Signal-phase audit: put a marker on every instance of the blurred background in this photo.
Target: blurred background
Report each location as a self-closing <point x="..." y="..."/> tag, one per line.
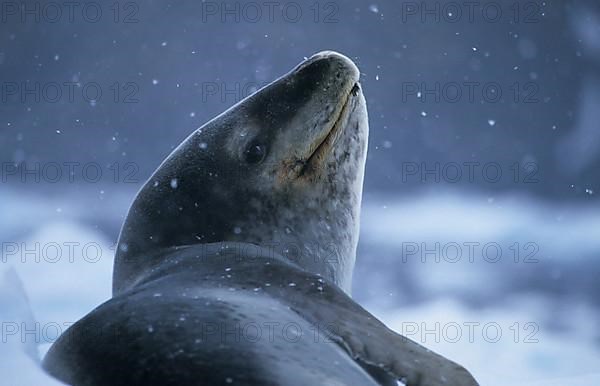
<point x="480" y="230"/>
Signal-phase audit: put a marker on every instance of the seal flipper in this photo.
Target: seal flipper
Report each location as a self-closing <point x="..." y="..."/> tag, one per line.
<point x="367" y="340"/>
<point x="372" y="344"/>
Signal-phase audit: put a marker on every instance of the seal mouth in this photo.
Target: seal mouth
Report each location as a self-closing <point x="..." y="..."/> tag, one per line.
<point x="330" y="136"/>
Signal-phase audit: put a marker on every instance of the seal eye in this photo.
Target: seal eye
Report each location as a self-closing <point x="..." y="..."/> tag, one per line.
<point x="255" y="153"/>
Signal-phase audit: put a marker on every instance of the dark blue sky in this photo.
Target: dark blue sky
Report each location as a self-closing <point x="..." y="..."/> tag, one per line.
<point x="494" y="97"/>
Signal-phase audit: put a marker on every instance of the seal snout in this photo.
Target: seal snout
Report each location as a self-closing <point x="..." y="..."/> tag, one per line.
<point x="344" y="67"/>
<point x="330" y="83"/>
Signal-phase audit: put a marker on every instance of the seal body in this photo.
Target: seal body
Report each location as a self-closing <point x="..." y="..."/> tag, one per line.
<point x="235" y="261"/>
<point x="214" y="315"/>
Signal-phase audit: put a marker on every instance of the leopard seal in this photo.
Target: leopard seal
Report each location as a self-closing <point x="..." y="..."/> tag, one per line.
<point x="234" y="263"/>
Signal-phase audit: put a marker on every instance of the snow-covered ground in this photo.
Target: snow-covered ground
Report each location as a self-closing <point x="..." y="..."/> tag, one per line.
<point x="507" y="320"/>
<point x="506" y="286"/>
<point x="505" y="345"/>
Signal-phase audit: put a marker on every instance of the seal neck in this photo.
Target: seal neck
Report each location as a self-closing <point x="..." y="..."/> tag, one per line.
<point x="201" y="260"/>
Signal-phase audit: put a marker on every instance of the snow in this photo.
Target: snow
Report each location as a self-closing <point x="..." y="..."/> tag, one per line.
<point x="19" y="364"/>
<point x="546" y="311"/>
<point x="520" y="354"/>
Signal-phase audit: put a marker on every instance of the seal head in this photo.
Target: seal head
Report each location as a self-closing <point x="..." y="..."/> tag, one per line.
<point x="282" y="169"/>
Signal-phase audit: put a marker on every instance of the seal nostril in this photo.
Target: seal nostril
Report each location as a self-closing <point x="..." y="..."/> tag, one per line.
<point x="355" y="89"/>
